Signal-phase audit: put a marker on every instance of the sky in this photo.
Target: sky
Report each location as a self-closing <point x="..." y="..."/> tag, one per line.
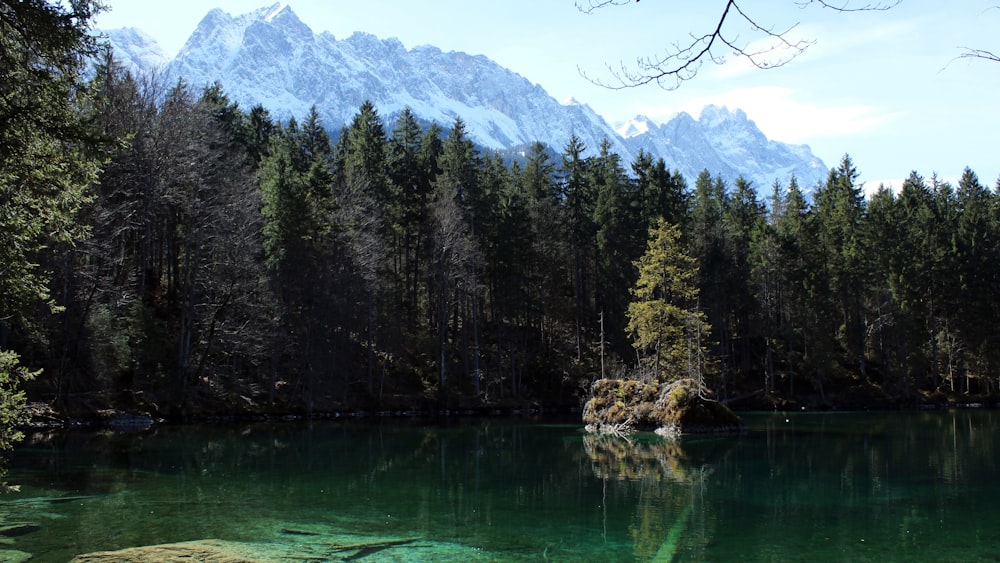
<point x="886" y="87"/>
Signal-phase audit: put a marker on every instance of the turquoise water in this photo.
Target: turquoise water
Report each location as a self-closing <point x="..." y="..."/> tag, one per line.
<point x="799" y="487"/>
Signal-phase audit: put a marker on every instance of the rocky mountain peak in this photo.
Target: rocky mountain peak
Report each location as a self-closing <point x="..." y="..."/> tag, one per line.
<point x="139" y="51"/>
<point x="270" y="57"/>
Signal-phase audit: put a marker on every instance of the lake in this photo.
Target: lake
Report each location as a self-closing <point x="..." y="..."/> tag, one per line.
<point x="911" y="486"/>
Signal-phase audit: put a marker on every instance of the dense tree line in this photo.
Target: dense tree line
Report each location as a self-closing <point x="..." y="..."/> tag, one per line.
<point x="47" y="162"/>
<point x="210" y="258"/>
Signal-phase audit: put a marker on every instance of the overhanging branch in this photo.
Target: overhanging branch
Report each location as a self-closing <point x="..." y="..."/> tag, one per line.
<point x="682" y="61"/>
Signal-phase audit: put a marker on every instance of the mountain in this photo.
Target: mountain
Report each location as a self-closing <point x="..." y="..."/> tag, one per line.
<point x="136" y="50"/>
<point x="727" y="143"/>
<point x="270" y="57"/>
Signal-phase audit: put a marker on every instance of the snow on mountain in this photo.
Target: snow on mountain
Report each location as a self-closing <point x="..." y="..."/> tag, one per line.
<point x="639" y="125"/>
<point x="269" y="56"/>
<point x="727" y="143"/>
<point x="136" y="50"/>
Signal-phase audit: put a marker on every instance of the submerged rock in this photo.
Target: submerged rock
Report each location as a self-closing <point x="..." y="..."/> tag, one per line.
<point x="295" y="545"/>
<point x="14" y="556"/>
<point x="126" y="421"/>
<point x="682" y="407"/>
<point x="215" y="551"/>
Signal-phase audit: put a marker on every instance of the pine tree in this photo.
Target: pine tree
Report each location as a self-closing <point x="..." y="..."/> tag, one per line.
<point x="706" y="239"/>
<point x="766" y="285"/>
<point x="914" y="279"/>
<point x="797" y="255"/>
<point x="621" y="233"/>
<point x="884" y="334"/>
<point x="258" y="126"/>
<point x="840" y="212"/>
<point x="549" y="254"/>
<point x="304" y="254"/>
<point x="411" y="179"/>
<point x="578" y="210"/>
<point x="457" y="253"/>
<point x="743" y="218"/>
<point x="661" y="193"/>
<point x="667" y="328"/>
<point x="977" y="269"/>
<point x="47" y="161"/>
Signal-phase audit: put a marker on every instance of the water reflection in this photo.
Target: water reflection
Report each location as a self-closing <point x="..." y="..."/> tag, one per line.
<point x="794" y="487"/>
<point x="625" y="459"/>
<point x="669" y="480"/>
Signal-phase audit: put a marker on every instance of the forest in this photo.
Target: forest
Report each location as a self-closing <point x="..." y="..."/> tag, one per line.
<point x="165" y="251"/>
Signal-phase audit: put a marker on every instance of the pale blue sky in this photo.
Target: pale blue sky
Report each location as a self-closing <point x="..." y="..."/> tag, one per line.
<point x="885" y="87"/>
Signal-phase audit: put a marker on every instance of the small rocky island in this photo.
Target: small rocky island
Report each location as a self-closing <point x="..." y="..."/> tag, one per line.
<point x="622" y="406"/>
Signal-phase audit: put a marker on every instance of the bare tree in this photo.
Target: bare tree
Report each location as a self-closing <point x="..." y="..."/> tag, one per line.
<point x="682" y="60"/>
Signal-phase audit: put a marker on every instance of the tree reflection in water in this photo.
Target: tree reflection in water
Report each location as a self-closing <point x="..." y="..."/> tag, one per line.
<point x="671" y="520"/>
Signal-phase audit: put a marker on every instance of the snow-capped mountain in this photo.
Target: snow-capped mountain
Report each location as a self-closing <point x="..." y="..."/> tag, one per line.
<point x="271" y="57"/>
<point x="136" y="50"/>
<point x="727" y="143"/>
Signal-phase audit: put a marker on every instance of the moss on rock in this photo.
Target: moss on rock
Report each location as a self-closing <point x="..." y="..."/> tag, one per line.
<point x="681" y="407"/>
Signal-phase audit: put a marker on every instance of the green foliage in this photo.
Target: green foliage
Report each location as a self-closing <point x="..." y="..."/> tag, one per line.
<point x="46" y="151"/>
<point x="48" y="159"/>
<point x="224" y="261"/>
<point x="666" y="327"/>
<point x="13" y="403"/>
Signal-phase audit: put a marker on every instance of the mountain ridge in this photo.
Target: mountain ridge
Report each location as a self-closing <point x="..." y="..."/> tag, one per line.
<point x="270" y="57"/>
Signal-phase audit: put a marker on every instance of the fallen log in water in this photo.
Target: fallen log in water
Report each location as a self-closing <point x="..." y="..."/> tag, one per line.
<point x="367" y="548"/>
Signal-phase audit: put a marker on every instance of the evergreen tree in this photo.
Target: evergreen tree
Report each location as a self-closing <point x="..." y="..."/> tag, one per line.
<point x="411" y="178"/>
<point x="507" y="249"/>
<point x="884" y="329"/>
<point x="47" y="156"/>
<point x="667" y="329"/>
<point x="578" y="206"/>
<point x="303" y="254"/>
<point x="285" y="207"/>
<point x="549" y="258"/>
<point x="621" y="232"/>
<point x="743" y="218"/>
<point x="457" y="254"/>
<point x="370" y="218"/>
<point x="661" y="193"/>
<point x="537" y="176"/>
<point x="840" y="211"/>
<point x="975" y="264"/>
<point x="707" y="243"/>
<point x="47" y="161"/>
<point x="913" y="280"/>
<point x="766" y="285"/>
<point x="797" y="251"/>
<point x="258" y="126"/>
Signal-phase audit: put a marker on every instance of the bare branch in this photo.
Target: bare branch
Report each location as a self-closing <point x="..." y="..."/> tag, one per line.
<point x="846" y="5"/>
<point x="681" y="62"/>
<point x="979" y="54"/>
<point x="593" y="5"/>
<point x="970" y="53"/>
